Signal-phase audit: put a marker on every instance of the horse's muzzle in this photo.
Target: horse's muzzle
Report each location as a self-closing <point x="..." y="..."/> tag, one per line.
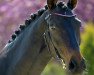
<point x="74" y="67"/>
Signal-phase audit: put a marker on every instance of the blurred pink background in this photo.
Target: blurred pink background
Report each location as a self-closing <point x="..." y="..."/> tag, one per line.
<point x="14" y="12"/>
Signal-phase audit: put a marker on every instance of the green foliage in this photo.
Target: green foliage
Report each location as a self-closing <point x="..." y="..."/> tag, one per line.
<point x="53" y="68"/>
<point x="87" y="47"/>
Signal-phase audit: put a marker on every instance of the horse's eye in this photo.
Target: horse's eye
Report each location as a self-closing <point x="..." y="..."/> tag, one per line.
<point x="52" y="27"/>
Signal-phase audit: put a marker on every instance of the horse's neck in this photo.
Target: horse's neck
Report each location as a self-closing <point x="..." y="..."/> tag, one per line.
<point x="40" y="62"/>
<point x="23" y="55"/>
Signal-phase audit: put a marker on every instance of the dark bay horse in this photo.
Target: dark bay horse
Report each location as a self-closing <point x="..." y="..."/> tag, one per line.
<point x="52" y="32"/>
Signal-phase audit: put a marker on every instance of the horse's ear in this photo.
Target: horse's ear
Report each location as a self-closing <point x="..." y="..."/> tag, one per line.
<point x="51" y="4"/>
<point x="72" y="4"/>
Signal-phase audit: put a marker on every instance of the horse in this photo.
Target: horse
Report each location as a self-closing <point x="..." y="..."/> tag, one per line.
<point x="53" y="31"/>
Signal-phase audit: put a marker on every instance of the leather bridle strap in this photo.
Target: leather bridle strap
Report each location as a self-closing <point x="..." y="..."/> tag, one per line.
<point x="57" y="55"/>
<point x="64" y="15"/>
<point x="46" y="37"/>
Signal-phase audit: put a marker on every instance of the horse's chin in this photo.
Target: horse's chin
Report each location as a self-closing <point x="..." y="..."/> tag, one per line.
<point x="74" y="73"/>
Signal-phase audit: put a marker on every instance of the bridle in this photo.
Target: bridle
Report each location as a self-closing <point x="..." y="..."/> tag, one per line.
<point x="48" y="38"/>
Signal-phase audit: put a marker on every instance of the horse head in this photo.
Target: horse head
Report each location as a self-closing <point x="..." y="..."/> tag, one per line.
<point x="63" y="33"/>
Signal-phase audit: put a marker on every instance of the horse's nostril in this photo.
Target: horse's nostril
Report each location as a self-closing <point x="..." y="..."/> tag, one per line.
<point x="72" y="65"/>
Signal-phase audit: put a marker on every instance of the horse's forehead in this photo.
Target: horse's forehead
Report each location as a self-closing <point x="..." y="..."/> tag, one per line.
<point x="70" y="18"/>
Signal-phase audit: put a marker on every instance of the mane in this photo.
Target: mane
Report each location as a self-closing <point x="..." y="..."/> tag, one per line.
<point x="30" y="20"/>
